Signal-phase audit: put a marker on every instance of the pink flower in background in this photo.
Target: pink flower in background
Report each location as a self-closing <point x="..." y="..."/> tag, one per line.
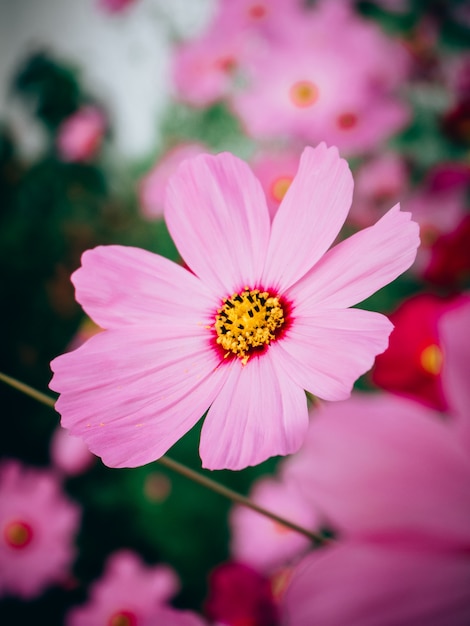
<point x="240" y="595"/>
<point x="439" y="206"/>
<point x="399" y="499"/>
<point x="38" y="524"/>
<point x="153" y="186"/>
<point x="114" y="6"/>
<point x="330" y="78"/>
<point x="70" y="454"/>
<point x="80" y="135"/>
<point x="275" y="171"/>
<point x="262" y="543"/>
<point x="204" y="69"/>
<point x="262" y="315"/>
<point x="380" y="182"/>
<point x="129" y="593"/>
<point x="172" y="617"/>
<point x="210" y="67"/>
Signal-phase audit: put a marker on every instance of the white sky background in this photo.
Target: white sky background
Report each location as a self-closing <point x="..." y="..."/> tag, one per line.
<point x="123" y="58"/>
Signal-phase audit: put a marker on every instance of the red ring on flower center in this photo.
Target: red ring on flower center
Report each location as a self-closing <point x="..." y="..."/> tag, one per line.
<point x="18" y="534"/>
<point x="347" y="120"/>
<point x="257" y="11"/>
<point x="123" y="618"/>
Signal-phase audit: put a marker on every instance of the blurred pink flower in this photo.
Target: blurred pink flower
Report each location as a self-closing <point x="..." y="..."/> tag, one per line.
<point x="380" y="182"/>
<point x="275" y="171"/>
<point x="203" y="70"/>
<point x="331" y="78"/>
<point x="70" y="454"/>
<point x="38" y="524"/>
<point x="153" y="185"/>
<point x="129" y="593"/>
<point x="262" y="543"/>
<point x="114" y="6"/>
<point x="80" y="135"/>
<point x="438" y="206"/>
<point x="262" y="315"/>
<point x="172" y="617"/>
<point x="210" y="67"/>
<point x="399" y="499"/>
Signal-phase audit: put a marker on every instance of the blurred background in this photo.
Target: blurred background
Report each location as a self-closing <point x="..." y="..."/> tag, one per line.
<point x="99" y="102"/>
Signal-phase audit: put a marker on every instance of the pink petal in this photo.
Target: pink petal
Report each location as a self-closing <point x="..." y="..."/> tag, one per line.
<point x="259" y="413"/>
<point x="217" y="215"/>
<point x="132" y="393"/>
<point x="119" y="285"/>
<point x="326" y="353"/>
<point x="371" y="585"/>
<point x="259" y="541"/>
<point x="309" y="217"/>
<point x="401" y="471"/>
<point x="357" y="267"/>
<point x="455" y="337"/>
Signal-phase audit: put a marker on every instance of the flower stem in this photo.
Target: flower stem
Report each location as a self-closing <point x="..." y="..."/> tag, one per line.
<point x="197" y="477"/>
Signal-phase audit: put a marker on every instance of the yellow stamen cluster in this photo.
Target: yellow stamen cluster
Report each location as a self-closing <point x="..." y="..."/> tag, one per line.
<point x="248" y="320"/>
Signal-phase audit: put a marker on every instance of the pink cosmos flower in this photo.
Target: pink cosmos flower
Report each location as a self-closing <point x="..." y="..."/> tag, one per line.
<point x="330" y="78"/>
<point x="114" y="6"/>
<point x="153" y="186"/>
<point x="38" y="524"/>
<point x="381" y="181"/>
<point x="172" y="617"/>
<point x="400" y="501"/>
<point x="80" y="135"/>
<point x="203" y="70"/>
<point x="128" y="593"/>
<point x="262" y="315"/>
<point x="262" y="543"/>
<point x="70" y="454"/>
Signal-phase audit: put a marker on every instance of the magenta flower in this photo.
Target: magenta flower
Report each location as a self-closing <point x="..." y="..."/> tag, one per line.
<point x="153" y="185"/>
<point x="263" y="543"/>
<point x="70" y="454"/>
<point x="128" y="593"/>
<point x="37" y="529"/>
<point x="262" y="315"/>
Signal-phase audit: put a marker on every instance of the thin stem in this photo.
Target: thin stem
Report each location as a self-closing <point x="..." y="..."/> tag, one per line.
<point x="183" y="470"/>
<point x="29" y="391"/>
<point x="236" y="497"/>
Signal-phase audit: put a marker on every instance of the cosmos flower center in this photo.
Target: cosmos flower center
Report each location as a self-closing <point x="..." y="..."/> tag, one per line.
<point x="18" y="534"/>
<point x="280" y="187"/>
<point x="431" y="359"/>
<point x="123" y="618"/>
<point x="304" y="93"/>
<point x="248" y="321"/>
